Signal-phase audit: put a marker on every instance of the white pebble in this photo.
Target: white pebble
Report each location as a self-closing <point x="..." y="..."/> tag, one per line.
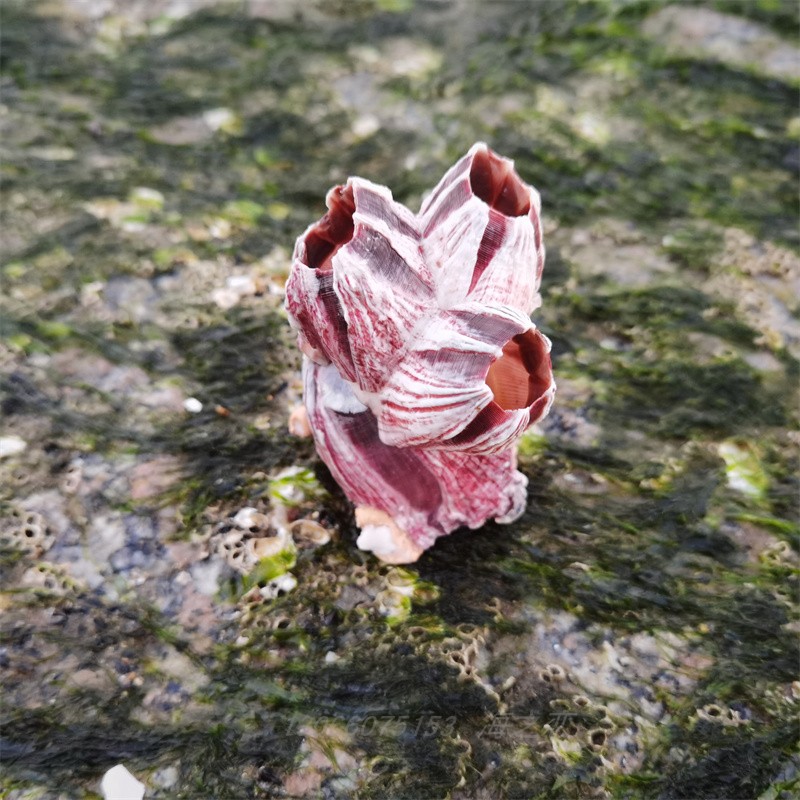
<point x="225" y="298"/>
<point x="217" y="118"/>
<point x="192" y="405"/>
<point x="285" y="583"/>
<point x="366" y="125"/>
<point x="11" y="445"/>
<point x="146" y="196"/>
<point x="242" y="284"/>
<point x="119" y="784"/>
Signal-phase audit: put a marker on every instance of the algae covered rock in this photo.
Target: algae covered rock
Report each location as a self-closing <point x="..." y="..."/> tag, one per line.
<point x="182" y="590"/>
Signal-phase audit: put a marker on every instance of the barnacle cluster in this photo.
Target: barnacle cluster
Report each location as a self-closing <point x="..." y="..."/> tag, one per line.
<point x="52" y="578"/>
<point x="422" y="367"/>
<point x="27" y="531"/>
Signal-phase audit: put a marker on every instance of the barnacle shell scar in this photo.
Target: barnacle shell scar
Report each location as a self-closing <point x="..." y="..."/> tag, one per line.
<point x="421" y="365"/>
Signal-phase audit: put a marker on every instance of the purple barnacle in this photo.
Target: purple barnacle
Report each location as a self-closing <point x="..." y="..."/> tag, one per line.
<point x="422" y="366"/>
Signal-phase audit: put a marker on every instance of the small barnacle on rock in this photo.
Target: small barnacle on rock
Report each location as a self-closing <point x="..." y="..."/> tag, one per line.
<point x="359" y="575"/>
<point x="50" y="577"/>
<point x="779" y="553"/>
<point x="416" y="633"/>
<point x="450" y="644"/>
<point x="71" y="480"/>
<point x="727" y="717"/>
<point x="267" y="546"/>
<point x="30" y="532"/>
<point x="280" y="622"/>
<point x="307" y="533"/>
<point x="257" y="545"/>
<point x="421" y="365"/>
<point x="581" y="701"/>
<point x="425" y="593"/>
<point x="400" y="580"/>
<point x="596" y="738"/>
<point x="733" y="717"/>
<point x="471" y="632"/>
<point x="394" y="605"/>
<point x="711" y="713"/>
<point x="606" y="723"/>
<point x="553" y="673"/>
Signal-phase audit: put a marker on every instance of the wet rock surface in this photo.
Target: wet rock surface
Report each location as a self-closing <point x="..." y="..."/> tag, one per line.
<point x="181" y="592"/>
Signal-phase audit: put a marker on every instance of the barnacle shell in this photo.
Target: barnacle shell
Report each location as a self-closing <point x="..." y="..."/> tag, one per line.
<point x="421" y="364"/>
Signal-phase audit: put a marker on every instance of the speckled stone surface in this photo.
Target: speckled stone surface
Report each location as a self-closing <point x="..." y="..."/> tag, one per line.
<point x="181" y="590"/>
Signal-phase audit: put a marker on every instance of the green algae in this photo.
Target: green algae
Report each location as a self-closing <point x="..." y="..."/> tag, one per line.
<point x="679" y="399"/>
<point x="743" y="468"/>
<point x="268" y="568"/>
<point x="632" y="179"/>
<point x="778" y="14"/>
<point x="294" y="486"/>
<point x="691" y="245"/>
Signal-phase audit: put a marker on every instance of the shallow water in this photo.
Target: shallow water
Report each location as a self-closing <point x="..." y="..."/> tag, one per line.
<point x="634" y="635"/>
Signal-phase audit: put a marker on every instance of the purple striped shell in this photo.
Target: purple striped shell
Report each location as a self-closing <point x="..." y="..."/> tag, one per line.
<point x="421" y="364"/>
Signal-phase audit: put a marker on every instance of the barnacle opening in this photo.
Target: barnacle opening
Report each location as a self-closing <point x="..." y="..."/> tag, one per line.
<point x="333" y="231"/>
<point x="494" y="181"/>
<point x="522" y="373"/>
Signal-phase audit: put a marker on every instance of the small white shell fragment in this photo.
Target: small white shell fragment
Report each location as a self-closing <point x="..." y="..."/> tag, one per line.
<point x="282" y="584"/>
<point x="226" y="298"/>
<point x="243" y="284"/>
<point x="249" y="517"/>
<point x="285" y="583"/>
<point x="377" y="539"/>
<point x="220" y="228"/>
<point x="192" y="405"/>
<point x="11" y="446"/>
<point x="119" y="784"/>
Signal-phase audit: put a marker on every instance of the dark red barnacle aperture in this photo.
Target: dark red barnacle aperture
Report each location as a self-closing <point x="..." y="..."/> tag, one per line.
<point x="522" y="374"/>
<point x="494" y="181"/>
<point x="521" y="378"/>
<point x="333" y="231"/>
<point x="325" y="327"/>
